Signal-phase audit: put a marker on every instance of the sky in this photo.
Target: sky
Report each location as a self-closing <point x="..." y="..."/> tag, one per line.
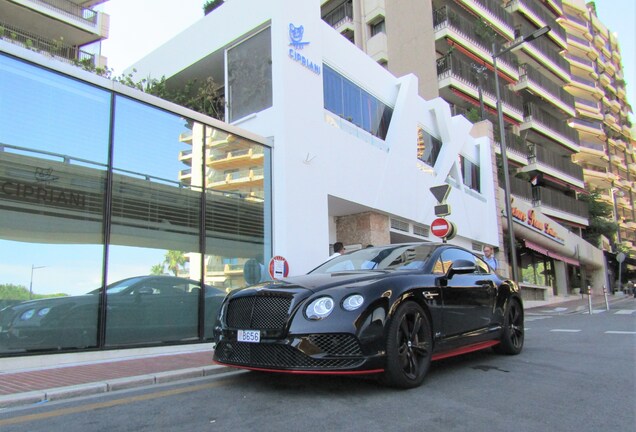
<point x="137" y="27"/>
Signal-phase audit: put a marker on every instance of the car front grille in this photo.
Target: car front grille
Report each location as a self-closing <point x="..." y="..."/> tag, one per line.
<point x="277" y="356"/>
<point x="262" y="312"/>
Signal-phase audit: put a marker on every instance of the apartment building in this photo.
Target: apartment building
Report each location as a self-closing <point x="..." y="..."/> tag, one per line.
<point x="69" y="30"/>
<point x="602" y="121"/>
<point x="541" y="101"/>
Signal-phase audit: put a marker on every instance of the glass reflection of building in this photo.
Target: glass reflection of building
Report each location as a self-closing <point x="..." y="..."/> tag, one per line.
<point x="94" y="190"/>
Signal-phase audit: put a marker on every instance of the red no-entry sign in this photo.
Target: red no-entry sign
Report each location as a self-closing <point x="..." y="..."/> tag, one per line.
<point x="441" y="227"/>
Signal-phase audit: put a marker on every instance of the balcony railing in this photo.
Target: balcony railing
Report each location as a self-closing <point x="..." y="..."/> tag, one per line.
<point x="586" y="102"/>
<point x="547" y="18"/>
<point x="494" y="7"/>
<point x="521" y="188"/>
<point x="55" y="48"/>
<point x="593" y="146"/>
<point x="343" y="13"/>
<point x="514" y="143"/>
<point x="70" y="9"/>
<point x="576" y="19"/>
<point x="559" y="162"/>
<point x="546" y="48"/>
<point x="582" y="41"/>
<point x="549" y="121"/>
<point x="584" y="81"/>
<point x="448" y="17"/>
<point x="589" y="123"/>
<point x="559" y="201"/>
<point x="454" y="65"/>
<point x="548" y="85"/>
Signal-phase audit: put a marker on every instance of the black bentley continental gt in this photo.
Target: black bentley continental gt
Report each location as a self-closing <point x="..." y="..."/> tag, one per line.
<point x="384" y="310"/>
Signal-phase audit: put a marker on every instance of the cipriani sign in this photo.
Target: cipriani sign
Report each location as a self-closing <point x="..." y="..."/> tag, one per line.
<point x="297" y="44"/>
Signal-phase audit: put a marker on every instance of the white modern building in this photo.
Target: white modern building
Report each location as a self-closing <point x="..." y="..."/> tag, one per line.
<point x="355" y="149"/>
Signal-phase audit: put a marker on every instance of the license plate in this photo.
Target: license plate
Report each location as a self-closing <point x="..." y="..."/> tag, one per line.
<point x="249" y="336"/>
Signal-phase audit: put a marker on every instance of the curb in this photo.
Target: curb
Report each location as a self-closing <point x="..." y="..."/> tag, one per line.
<point x="116" y="384"/>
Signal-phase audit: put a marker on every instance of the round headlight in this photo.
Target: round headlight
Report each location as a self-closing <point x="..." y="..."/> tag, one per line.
<point x="319" y="308"/>
<point x="352" y="302"/>
<point x="27" y="315"/>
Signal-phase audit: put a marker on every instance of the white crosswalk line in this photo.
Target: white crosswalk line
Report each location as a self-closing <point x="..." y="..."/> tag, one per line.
<point x="620" y="332"/>
<point x="625" y="312"/>
<point x="565" y="330"/>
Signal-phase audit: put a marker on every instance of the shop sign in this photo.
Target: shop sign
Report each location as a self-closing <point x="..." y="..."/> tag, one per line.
<point x="537" y="222"/>
<point x="296" y="44"/>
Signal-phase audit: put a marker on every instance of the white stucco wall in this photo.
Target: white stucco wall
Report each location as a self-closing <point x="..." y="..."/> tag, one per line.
<point x="313" y="159"/>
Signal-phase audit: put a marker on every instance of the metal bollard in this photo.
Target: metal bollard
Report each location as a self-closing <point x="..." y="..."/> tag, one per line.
<point x="589" y="299"/>
<point x="606" y="300"/>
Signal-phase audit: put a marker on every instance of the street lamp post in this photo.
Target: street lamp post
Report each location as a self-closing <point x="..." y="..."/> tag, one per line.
<point x="33" y="267"/>
<point x="502" y="137"/>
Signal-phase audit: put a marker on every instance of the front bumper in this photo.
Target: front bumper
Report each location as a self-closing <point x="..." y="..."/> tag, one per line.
<point x="329" y="352"/>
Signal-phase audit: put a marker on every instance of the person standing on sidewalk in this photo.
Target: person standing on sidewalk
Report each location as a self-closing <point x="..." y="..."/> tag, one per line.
<point x="490" y="259"/>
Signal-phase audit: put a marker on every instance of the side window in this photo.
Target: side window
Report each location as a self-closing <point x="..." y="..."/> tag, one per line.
<point x="450" y="256"/>
<point x="482" y="267"/>
<point x="438" y="267"/>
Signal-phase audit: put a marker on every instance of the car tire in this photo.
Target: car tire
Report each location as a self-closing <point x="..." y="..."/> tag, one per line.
<point x="512" y="334"/>
<point x="409" y="347"/>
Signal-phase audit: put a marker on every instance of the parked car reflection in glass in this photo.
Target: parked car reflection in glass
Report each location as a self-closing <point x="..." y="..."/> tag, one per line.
<point x="140" y="310"/>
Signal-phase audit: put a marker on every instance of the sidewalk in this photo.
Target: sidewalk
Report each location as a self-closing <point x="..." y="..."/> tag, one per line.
<point x="42" y="383"/>
<point x="38" y="379"/>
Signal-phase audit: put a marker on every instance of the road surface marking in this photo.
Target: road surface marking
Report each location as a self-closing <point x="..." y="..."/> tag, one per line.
<point x="620" y="332"/>
<point x="625" y="312"/>
<point x="565" y="330"/>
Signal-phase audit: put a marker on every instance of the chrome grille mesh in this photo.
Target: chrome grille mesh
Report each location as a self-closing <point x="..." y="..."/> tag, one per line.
<point x="263" y="312"/>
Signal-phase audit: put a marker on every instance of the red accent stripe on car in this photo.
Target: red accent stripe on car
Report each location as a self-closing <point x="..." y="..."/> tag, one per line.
<point x="465" y="350"/>
<point x="304" y="372"/>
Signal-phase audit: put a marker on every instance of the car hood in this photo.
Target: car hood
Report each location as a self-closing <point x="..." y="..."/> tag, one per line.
<point x="52" y="301"/>
<point x="317" y="282"/>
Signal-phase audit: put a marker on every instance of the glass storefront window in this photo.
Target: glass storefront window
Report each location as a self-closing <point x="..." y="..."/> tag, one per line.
<point x="53" y="155"/>
<point x="178" y="202"/>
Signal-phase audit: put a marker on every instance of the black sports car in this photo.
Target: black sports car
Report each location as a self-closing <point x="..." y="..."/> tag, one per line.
<point x="141" y="309"/>
<point x="388" y="310"/>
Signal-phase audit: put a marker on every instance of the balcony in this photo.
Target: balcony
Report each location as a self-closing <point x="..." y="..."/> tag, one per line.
<point x="55" y="48"/>
<point x="242" y="179"/>
<point x="586" y="104"/>
<point x="594" y="128"/>
<point x="536" y="83"/>
<point x="185" y="156"/>
<point x="494" y="14"/>
<point x="561" y="163"/>
<point x="341" y="18"/>
<point x="453" y="29"/>
<point x="581" y="63"/>
<point x="545" y="124"/>
<point x="542" y="51"/>
<point x="559" y="201"/>
<point x="582" y="87"/>
<point x="575" y="22"/>
<point x="457" y="72"/>
<point x="533" y="12"/>
<point x="52" y="18"/>
<point x="220" y="160"/>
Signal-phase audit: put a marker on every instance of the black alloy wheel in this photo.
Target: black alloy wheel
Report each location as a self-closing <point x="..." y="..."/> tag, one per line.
<point x="409" y="347"/>
<point x="511" y="342"/>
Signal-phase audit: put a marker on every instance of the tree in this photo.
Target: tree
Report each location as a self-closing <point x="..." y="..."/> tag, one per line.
<point x="600" y="218"/>
<point x="157" y="269"/>
<point x="175" y="260"/>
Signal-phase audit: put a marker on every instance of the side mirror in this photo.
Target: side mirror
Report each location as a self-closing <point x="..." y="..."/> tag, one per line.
<point x="461" y="267"/>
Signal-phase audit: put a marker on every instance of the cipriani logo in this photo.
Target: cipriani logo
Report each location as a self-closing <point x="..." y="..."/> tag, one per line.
<point x="296" y="36"/>
<point x="296" y="44"/>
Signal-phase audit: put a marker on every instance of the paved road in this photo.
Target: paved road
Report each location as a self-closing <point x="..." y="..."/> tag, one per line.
<point x="576" y="373"/>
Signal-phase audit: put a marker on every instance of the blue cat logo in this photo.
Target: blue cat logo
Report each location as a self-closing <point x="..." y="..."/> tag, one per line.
<point x="296" y="36"/>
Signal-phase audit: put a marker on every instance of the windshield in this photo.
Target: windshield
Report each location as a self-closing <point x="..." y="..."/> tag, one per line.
<point x="393" y="257"/>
